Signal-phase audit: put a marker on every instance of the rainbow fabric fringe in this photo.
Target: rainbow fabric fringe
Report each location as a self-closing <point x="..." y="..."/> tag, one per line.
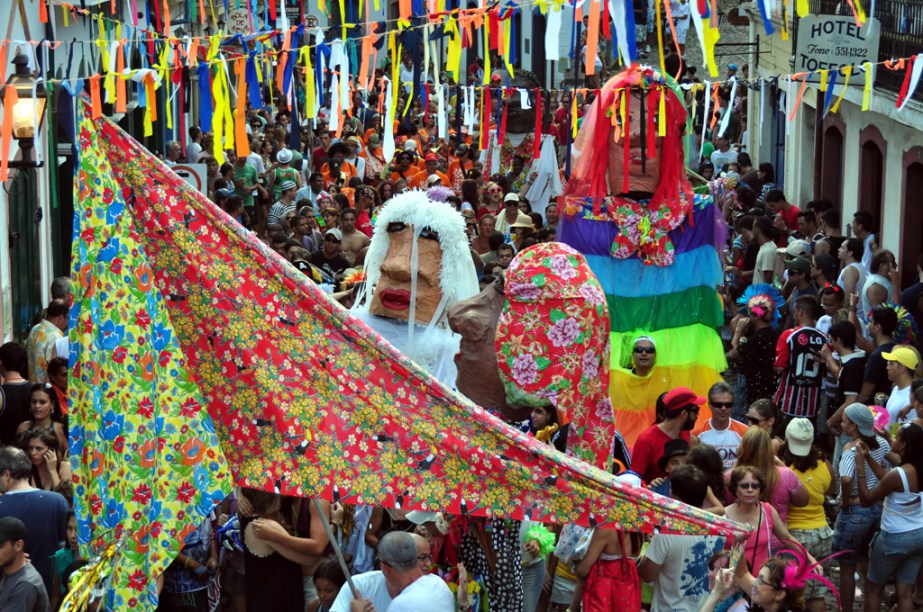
<point x="677" y="306"/>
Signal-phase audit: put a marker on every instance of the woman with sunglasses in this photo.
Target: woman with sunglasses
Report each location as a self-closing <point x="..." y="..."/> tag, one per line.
<point x="782" y="488"/>
<point x="896" y="552"/>
<point x="748" y="485"/>
<point x="764" y="413"/>
<point x="492" y="202"/>
<point x="779" y="586"/>
<point x="45" y="413"/>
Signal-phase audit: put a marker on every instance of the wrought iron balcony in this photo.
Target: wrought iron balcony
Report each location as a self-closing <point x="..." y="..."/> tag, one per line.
<point x="901" y="34"/>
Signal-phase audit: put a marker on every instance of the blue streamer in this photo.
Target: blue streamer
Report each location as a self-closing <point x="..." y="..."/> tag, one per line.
<point x="765" y="17"/>
<point x="205" y="97"/>
<point x="254" y="90"/>
<point x="828" y="99"/>
<point x="630" y="28"/>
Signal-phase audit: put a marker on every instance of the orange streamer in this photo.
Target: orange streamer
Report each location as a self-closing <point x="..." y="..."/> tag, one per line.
<point x="95" y="98"/>
<point x="121" y="93"/>
<point x="800" y="94"/>
<point x="240" y="113"/>
<point x="592" y="38"/>
<point x="6" y="130"/>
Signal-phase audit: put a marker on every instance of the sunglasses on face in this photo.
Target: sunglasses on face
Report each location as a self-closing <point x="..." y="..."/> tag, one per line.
<point x="754" y="420"/>
<point x="650" y="350"/>
<point x="760" y="581"/>
<point x="331" y="239"/>
<point x="749" y="485"/>
<point x="722" y="404"/>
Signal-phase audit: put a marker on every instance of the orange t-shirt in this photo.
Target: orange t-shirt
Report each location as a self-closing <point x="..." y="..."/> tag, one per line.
<point x="419" y="179"/>
<point x="347" y="171"/>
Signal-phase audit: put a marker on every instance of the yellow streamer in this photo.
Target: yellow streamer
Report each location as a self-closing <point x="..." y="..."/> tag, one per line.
<point x="218" y="120"/>
<point x="573" y="115"/>
<point x="867" y="90"/>
<point x="487" y="68"/>
<point x="802" y="8"/>
<point x="623" y="109"/>
<point x="507" y="25"/>
<point x="310" y="93"/>
<point x="711" y="36"/>
<point x="395" y="73"/>
<point x="213" y="44"/>
<point x="662" y="113"/>
<point x="168" y="104"/>
<point x="453" y="56"/>
<point x="836" y="105"/>
<point x="823" y="80"/>
<point x="150" y="110"/>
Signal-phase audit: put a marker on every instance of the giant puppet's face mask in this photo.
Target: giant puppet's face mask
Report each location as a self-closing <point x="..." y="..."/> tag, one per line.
<point x="392" y="295"/>
<point x="475" y="320"/>
<point x="643" y="174"/>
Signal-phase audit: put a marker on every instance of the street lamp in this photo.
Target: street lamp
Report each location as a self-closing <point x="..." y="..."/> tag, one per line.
<point x="31" y="104"/>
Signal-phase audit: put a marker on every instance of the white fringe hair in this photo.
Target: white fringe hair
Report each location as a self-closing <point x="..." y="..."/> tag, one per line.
<point x="457" y="278"/>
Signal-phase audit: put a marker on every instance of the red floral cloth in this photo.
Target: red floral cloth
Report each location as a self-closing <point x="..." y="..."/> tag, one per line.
<point x="553" y="345"/>
<point x="308" y="401"/>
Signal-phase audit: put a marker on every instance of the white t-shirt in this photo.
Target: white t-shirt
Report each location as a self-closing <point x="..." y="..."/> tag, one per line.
<point x="766" y="259"/>
<point x="682" y="584"/>
<point x="256" y="161"/>
<point x="719" y="158"/>
<point x="725" y="441"/>
<point x="428" y="593"/>
<point x="193" y="150"/>
<point x="371" y="585"/>
<point x="406" y="76"/>
<point x="897" y="401"/>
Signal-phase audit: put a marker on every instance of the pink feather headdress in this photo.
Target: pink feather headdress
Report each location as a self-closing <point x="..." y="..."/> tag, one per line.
<point x="801" y="570"/>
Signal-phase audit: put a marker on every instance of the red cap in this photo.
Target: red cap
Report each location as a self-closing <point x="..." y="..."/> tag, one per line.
<point x="495" y="77"/>
<point x="680" y="397"/>
<point x="431" y="157"/>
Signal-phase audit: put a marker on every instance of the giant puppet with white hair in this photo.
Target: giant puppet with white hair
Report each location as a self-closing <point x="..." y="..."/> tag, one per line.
<point x="418" y="264"/>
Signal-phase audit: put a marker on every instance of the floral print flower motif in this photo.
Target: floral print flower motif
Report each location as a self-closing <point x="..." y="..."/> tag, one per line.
<point x="604" y="410"/>
<point x="226" y="354"/>
<point x="524" y="368"/>
<point x="590" y="365"/>
<point x="127" y="484"/>
<point x="526" y="291"/>
<point x="561" y="266"/>
<point x="564" y="332"/>
<point x="592" y="293"/>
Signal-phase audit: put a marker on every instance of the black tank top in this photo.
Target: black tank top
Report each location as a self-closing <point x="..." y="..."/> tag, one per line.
<point x="273" y="582"/>
<point x="16" y="399"/>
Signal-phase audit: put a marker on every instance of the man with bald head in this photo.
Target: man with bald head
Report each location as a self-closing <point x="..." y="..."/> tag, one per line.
<point x="402" y="585"/>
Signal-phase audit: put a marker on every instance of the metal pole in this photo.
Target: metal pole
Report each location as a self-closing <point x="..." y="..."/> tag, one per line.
<point x="336" y="548"/>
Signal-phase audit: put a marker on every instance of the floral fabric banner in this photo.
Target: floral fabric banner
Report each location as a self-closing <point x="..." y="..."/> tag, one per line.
<point x="147" y="465"/>
<point x="308" y="401"/>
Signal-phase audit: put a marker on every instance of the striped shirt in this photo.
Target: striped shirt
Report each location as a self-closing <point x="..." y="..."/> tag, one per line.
<point x="848" y="465"/>
<point x="799" y="386"/>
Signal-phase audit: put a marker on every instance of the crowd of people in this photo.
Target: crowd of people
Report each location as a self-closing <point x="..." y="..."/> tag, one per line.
<point x="815" y="440"/>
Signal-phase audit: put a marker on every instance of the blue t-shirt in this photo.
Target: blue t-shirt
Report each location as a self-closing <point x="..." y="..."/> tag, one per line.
<point x="45" y="516"/>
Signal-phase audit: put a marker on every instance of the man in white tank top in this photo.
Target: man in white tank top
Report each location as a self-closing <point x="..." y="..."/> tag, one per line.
<point x="852" y="277"/>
